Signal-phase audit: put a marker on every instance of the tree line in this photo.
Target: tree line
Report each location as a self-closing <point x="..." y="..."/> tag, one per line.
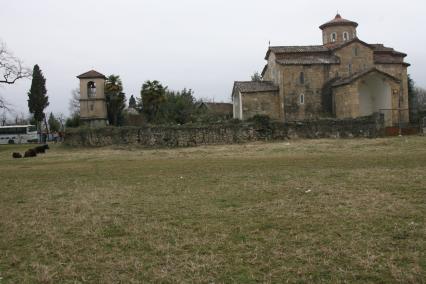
<point x="156" y="104"/>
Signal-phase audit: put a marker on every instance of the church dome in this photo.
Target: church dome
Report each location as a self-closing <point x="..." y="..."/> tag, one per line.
<point x="338" y="30"/>
<point x="338" y="21"/>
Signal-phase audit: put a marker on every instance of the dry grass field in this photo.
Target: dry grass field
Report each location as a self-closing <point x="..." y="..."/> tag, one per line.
<point x="317" y="211"/>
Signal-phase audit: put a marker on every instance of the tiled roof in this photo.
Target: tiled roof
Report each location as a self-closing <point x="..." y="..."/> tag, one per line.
<point x="253" y="86"/>
<point x="355" y="76"/>
<point x="379" y="48"/>
<point x="338" y="21"/>
<point x="297" y="49"/>
<point x="387" y="59"/>
<point x="92" y="74"/>
<point x="309" y="60"/>
<point x="223" y="108"/>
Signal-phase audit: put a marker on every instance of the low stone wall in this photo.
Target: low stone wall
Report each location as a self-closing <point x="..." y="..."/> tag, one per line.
<point x="189" y="135"/>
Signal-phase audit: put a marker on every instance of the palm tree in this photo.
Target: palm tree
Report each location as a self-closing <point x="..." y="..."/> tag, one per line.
<point x="115" y="98"/>
<point x="113" y="84"/>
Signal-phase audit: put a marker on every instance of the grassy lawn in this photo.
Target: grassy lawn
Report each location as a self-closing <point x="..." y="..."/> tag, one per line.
<point x="322" y="211"/>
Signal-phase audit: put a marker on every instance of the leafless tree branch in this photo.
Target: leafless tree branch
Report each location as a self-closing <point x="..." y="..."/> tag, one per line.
<point x="11" y="67"/>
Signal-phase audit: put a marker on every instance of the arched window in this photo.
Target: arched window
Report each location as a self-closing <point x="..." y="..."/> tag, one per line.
<point x="345" y="36"/>
<point x="91" y="89"/>
<point x="302" y="78"/>
<point x="302" y="99"/>
<point x="355" y="51"/>
<point x="333" y="37"/>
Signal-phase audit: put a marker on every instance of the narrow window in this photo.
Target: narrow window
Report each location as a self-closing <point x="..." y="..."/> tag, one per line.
<point x="302" y="99"/>
<point x="345" y="36"/>
<point x="302" y="78"/>
<point x="91" y="107"/>
<point x="355" y="49"/>
<point x="333" y="37"/>
<point x="350" y="69"/>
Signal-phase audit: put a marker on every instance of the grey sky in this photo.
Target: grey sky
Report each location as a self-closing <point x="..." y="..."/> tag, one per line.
<point x="200" y="44"/>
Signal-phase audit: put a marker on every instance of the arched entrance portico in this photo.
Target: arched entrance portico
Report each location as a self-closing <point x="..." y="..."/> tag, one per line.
<point x="375" y="95"/>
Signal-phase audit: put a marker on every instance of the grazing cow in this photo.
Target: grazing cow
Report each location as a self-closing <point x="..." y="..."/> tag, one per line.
<point x="30" y="153"/>
<point x="42" y="149"/>
<point x="16" y="155"/>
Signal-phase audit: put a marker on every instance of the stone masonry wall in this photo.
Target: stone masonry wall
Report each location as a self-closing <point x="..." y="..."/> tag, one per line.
<point x="187" y="136"/>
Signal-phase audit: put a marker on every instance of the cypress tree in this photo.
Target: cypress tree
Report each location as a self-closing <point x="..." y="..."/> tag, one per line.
<point x="37" y="99"/>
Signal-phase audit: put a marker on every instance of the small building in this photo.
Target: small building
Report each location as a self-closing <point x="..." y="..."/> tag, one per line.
<point x="344" y="77"/>
<point x="93" y="109"/>
<point x="220" y="109"/>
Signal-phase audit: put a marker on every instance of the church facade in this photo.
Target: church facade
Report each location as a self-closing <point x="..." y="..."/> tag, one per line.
<point x="344" y="77"/>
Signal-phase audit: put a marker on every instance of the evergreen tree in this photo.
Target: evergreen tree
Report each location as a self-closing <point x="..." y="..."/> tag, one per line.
<point x="115" y="99"/>
<point x="179" y="107"/>
<point x="412" y="101"/>
<point x="37" y="99"/>
<point x="153" y="96"/>
<point x="132" y="102"/>
<point x="54" y="124"/>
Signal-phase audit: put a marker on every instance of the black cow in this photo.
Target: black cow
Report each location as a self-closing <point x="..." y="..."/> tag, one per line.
<point x="42" y="149"/>
<point x="16" y="155"/>
<point x="30" y="153"/>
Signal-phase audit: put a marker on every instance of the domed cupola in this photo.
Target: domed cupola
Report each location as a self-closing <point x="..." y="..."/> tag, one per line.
<point x="338" y="30"/>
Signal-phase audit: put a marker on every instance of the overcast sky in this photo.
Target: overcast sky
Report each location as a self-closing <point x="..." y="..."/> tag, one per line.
<point x="204" y="45"/>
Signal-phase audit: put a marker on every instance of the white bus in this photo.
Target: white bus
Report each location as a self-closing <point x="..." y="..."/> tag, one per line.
<point x="18" y="134"/>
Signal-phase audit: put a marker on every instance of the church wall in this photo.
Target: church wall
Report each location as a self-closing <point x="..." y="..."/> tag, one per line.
<point x="261" y="103"/>
<point x="272" y="73"/>
<point x="362" y="61"/>
<point x="399" y="71"/>
<point x="346" y="102"/>
<point x="311" y="88"/>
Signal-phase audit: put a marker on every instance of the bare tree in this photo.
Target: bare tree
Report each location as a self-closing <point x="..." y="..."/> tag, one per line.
<point x="3" y="104"/>
<point x="421" y="97"/>
<point x="256" y="77"/>
<point x="11" y="67"/>
<point x="3" y="118"/>
<point x="74" y="103"/>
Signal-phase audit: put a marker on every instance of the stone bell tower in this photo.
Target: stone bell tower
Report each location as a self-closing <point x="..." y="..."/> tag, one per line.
<point x="93" y="110"/>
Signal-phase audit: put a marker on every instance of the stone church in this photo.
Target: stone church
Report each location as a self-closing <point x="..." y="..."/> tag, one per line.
<point x="344" y="77"/>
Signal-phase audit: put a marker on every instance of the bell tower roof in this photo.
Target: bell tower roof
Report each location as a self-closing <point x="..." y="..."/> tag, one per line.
<point x="338" y="21"/>
<point x="92" y="74"/>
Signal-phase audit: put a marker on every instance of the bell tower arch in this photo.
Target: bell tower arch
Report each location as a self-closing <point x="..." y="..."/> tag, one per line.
<point x="93" y="110"/>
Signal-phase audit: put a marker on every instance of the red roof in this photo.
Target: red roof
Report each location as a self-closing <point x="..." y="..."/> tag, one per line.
<point x="92" y="74"/>
<point x="338" y="21"/>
